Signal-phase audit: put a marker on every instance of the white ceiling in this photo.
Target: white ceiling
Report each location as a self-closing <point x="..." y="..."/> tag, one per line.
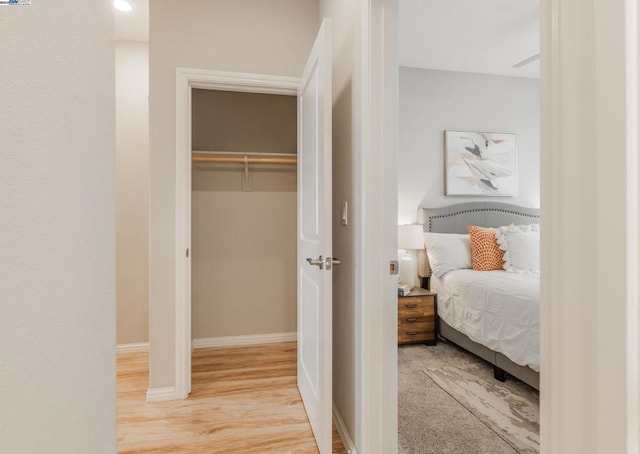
<point x="133" y="26"/>
<point x="480" y="36"/>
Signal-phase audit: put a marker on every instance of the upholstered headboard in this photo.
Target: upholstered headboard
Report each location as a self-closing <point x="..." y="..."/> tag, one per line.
<point x="456" y="218"/>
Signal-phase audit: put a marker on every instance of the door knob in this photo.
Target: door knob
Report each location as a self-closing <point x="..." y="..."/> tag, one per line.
<point x="331" y="261"/>
<point x="319" y="262"/>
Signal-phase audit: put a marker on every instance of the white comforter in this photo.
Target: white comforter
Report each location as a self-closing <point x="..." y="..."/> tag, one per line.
<point x="494" y="308"/>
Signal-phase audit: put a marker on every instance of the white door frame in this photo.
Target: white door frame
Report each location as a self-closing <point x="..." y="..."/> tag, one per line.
<point x="590" y="381"/>
<point x="590" y="168"/>
<point x="186" y="79"/>
<point x="376" y="237"/>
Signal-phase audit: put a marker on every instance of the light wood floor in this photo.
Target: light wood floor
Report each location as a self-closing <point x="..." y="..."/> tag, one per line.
<point x="243" y="400"/>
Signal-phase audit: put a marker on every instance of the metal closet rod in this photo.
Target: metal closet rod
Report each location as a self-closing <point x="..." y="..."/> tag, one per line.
<point x="242" y="158"/>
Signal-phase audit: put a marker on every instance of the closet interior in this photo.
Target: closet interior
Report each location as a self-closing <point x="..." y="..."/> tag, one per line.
<point x="243" y="214"/>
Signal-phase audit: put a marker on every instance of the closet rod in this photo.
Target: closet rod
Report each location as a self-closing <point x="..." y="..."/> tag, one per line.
<point x="242" y="160"/>
<point x="239" y="153"/>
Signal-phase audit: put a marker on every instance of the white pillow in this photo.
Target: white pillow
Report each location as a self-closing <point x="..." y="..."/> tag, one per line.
<point x="521" y="246"/>
<point x="447" y="252"/>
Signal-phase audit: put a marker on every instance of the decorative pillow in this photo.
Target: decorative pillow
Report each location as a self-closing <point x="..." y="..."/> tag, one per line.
<point x="447" y="252"/>
<point x="486" y="255"/>
<point x="521" y="246"/>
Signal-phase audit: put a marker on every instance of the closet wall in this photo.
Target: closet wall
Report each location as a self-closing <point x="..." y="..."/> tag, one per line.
<point x="243" y="241"/>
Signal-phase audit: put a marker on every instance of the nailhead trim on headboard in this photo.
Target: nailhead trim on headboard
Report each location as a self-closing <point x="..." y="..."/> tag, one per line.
<point x="475" y="210"/>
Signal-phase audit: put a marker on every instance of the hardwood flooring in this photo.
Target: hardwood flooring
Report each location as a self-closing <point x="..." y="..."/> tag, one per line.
<point x="243" y="400"/>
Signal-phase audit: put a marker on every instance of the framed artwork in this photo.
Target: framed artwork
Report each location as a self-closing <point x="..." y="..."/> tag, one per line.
<point x="480" y="164"/>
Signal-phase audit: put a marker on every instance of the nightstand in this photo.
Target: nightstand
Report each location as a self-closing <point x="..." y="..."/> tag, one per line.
<point x="417" y="317"/>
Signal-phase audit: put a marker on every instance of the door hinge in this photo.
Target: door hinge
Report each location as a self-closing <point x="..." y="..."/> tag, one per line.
<point x="187" y="252"/>
<point x="393" y="267"/>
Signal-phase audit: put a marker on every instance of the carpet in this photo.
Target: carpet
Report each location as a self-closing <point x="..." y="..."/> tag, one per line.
<point x="514" y="417"/>
<point x="431" y="421"/>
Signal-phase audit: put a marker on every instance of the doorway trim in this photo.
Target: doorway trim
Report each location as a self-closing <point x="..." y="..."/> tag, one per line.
<point x="376" y="235"/>
<point x="589" y="315"/>
<point x="186" y="79"/>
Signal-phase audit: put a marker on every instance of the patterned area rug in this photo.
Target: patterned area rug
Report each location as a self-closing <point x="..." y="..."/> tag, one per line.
<point x="512" y="415"/>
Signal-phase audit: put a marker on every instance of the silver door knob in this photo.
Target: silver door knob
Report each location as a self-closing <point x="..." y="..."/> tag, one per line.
<point x="331" y="261"/>
<point x="319" y="262"/>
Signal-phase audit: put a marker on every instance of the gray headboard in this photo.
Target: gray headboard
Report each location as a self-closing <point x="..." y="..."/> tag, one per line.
<point x="455" y="218"/>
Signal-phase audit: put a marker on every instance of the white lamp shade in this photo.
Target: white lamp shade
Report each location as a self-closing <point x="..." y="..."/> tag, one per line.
<point x="407" y="272"/>
<point x="410" y="237"/>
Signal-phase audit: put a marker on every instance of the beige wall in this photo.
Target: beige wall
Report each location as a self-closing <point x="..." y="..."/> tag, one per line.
<point x="248" y="122"/>
<point x="57" y="218"/>
<point x="243" y="242"/>
<point x="258" y="36"/>
<point x="345" y="16"/>
<point x="132" y="191"/>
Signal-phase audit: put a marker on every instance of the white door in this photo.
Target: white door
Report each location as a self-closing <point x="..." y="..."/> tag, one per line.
<point x="314" y="239"/>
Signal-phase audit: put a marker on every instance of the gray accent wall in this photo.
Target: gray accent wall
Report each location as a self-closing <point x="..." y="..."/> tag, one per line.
<point x="433" y="101"/>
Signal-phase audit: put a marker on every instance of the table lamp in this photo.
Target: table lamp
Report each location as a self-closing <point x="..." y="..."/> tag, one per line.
<point x="409" y="238"/>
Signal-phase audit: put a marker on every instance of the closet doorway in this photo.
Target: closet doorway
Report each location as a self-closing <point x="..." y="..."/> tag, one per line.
<point x="188" y="81"/>
<point x="314" y="260"/>
<point x="256" y="111"/>
<point x="243" y="218"/>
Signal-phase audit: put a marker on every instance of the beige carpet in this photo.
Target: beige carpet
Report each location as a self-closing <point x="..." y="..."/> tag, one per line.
<point x="432" y="421"/>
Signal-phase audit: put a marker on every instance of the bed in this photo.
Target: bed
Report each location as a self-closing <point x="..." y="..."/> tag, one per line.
<point x="493" y="314"/>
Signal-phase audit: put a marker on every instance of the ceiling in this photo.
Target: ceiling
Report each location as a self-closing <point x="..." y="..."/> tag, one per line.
<point x="480" y="36"/>
<point x="133" y="26"/>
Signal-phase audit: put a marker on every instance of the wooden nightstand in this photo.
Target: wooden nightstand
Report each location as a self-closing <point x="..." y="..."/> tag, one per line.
<point x="417" y="317"/>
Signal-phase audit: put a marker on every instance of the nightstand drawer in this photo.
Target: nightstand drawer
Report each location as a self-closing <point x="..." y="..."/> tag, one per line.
<point x="412" y="320"/>
<point x="418" y="332"/>
<point x="416" y="306"/>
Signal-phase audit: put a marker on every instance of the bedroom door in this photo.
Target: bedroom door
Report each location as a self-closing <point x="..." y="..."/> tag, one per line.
<point x="315" y="261"/>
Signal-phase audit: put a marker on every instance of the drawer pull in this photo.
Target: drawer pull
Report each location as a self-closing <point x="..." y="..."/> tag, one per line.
<point x="411" y="333"/>
<point x="411" y="319"/>
<point x="411" y="305"/>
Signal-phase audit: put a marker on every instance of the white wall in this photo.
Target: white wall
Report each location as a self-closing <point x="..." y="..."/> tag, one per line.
<point x="257" y="36"/>
<point x="433" y="101"/>
<point x="132" y="191"/>
<point x="57" y="218"/>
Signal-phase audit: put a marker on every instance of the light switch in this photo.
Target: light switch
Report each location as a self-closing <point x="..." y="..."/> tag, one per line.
<point x="345" y="213"/>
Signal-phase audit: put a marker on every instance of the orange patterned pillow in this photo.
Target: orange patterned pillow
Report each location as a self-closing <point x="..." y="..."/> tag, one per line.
<point x="486" y="255"/>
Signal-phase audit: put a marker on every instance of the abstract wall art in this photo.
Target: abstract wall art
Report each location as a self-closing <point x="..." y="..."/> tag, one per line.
<point x="480" y="164"/>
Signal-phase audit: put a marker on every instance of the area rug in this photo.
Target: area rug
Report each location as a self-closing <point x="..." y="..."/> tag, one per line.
<point x="512" y="415"/>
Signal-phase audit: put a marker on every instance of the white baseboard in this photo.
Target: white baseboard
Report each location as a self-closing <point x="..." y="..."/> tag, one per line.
<point x="237" y="341"/>
<point x="161" y="394"/>
<point x="226" y="341"/>
<point x="139" y="347"/>
<point x="343" y="432"/>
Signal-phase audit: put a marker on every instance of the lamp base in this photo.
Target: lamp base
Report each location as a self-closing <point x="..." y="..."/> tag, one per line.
<point x="407" y="269"/>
